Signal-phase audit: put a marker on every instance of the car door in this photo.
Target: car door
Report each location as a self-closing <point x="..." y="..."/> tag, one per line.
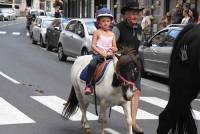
<point x="68" y="37"/>
<point x="57" y="30"/>
<point x="151" y="60"/>
<point x="37" y="29"/>
<point x="78" y="39"/>
<point x="164" y="52"/>
<point x="50" y="33"/>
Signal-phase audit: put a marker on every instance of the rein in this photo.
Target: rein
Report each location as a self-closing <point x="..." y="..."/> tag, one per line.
<point x="124" y="81"/>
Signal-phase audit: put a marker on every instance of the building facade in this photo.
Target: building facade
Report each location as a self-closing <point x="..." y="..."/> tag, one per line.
<point x="87" y="8"/>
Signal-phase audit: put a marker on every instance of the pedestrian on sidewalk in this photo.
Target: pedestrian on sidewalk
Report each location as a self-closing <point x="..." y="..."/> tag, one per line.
<point x="128" y="33"/>
<point x="178" y="15"/>
<point x="186" y="17"/>
<point x="194" y="15"/>
<point x="166" y="20"/>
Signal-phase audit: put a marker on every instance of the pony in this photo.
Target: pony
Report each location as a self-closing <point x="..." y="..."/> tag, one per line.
<point x="116" y="88"/>
<point x="184" y="85"/>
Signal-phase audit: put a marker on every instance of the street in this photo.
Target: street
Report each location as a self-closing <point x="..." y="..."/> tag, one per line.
<point x="35" y="85"/>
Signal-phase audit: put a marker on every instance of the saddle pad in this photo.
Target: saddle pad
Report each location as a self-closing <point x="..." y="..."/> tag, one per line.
<point x="83" y="75"/>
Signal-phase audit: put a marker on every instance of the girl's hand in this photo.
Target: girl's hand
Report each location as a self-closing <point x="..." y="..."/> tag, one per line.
<point x="104" y="54"/>
<point x="114" y="49"/>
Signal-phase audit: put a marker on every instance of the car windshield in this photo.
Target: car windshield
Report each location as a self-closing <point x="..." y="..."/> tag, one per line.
<point x="91" y="27"/>
<point x="46" y="23"/>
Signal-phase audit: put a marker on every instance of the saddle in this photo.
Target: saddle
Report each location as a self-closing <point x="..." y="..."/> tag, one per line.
<point x="99" y="72"/>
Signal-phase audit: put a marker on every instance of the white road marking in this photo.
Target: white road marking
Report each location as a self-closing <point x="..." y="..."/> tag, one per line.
<point x="5" y="25"/>
<point x="155" y="85"/>
<point x="141" y="114"/>
<point x="162" y="103"/>
<point x="16" y="33"/>
<point x="3" y="32"/>
<point x="111" y="131"/>
<point x="11" y="115"/>
<point x="56" y="104"/>
<point x="9" y="78"/>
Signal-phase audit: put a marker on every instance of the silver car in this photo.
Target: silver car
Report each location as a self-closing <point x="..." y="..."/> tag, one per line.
<point x="155" y="53"/>
<point x="38" y="32"/>
<point x="7" y="14"/>
<point x="76" y="39"/>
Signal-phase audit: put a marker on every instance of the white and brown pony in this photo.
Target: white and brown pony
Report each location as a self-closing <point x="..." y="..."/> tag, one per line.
<point x="116" y="88"/>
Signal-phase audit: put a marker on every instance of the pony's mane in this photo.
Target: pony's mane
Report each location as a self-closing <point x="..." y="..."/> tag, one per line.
<point x="127" y="56"/>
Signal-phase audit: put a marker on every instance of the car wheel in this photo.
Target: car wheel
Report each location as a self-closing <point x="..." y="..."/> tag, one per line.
<point x="41" y="42"/>
<point x="84" y="51"/>
<point x="61" y="55"/>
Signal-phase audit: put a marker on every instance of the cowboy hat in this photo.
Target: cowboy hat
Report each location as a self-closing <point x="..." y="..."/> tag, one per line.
<point x="131" y="5"/>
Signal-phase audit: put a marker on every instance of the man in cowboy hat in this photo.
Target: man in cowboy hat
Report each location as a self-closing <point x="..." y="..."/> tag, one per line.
<point x="128" y="34"/>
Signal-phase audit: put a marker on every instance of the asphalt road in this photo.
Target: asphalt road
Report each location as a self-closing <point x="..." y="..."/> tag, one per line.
<point x="34" y="86"/>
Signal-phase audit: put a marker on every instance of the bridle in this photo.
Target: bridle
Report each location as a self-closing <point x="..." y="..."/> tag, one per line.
<point x="124" y="82"/>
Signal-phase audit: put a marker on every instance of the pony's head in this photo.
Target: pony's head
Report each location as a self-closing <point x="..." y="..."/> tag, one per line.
<point x="126" y="72"/>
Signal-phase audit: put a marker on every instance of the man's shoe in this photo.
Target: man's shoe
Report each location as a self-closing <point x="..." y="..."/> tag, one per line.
<point x="137" y="130"/>
<point x="88" y="90"/>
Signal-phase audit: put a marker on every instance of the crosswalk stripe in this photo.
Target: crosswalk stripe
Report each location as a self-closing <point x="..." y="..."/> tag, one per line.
<point x="56" y="104"/>
<point x="3" y="32"/>
<point x="11" y="115"/>
<point x="16" y="33"/>
<point x="141" y="114"/>
<point x="162" y="103"/>
<point x="111" y="131"/>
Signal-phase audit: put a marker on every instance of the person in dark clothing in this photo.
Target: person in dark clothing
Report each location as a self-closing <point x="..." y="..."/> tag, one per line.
<point x="194" y="15"/>
<point x="178" y="15"/>
<point x="128" y="33"/>
<point x="57" y="14"/>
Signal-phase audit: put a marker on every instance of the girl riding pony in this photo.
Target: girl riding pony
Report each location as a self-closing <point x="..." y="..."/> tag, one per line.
<point x="103" y="44"/>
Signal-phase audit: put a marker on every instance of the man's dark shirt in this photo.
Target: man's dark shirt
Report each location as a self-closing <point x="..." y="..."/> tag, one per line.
<point x="127" y="36"/>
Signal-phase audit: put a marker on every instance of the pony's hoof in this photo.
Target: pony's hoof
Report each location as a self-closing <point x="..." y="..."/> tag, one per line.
<point x="87" y="130"/>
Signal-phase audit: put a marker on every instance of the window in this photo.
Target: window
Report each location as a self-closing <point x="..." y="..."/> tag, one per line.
<point x="159" y="39"/>
<point x="171" y="37"/>
<point x="71" y="26"/>
<point x="55" y="23"/>
<point x="79" y="29"/>
<point x="91" y="27"/>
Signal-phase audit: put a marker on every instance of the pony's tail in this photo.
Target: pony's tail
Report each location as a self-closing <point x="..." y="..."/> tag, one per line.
<point x="186" y="123"/>
<point x="71" y="106"/>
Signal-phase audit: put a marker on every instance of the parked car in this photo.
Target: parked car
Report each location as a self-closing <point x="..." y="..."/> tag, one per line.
<point x="155" y="53"/>
<point x="76" y="39"/>
<point x="53" y="32"/>
<point x="38" y="33"/>
<point x="7" y="14"/>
